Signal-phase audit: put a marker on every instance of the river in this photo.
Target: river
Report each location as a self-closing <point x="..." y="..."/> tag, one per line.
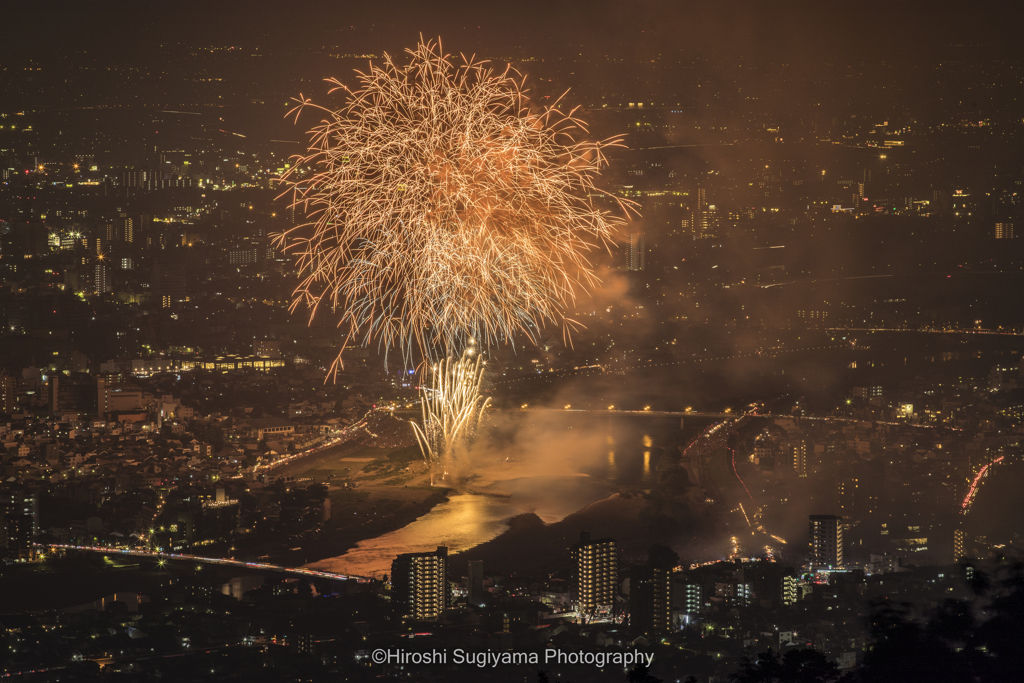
<point x="551" y="465"/>
<point x="555" y="463"/>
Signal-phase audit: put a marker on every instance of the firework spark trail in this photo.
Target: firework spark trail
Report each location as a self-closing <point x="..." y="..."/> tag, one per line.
<point x="452" y="409"/>
<point x="442" y="206"/>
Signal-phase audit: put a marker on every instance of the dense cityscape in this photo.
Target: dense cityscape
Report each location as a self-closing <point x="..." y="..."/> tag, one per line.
<point x="777" y="437"/>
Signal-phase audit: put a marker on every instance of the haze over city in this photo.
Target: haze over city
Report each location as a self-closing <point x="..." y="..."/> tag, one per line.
<point x="650" y="341"/>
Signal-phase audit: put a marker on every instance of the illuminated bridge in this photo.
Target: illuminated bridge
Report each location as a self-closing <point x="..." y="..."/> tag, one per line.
<point x="626" y="413"/>
<point x="178" y="557"/>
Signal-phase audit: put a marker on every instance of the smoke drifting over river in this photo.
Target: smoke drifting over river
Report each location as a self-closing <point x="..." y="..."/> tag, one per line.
<point x="550" y="464"/>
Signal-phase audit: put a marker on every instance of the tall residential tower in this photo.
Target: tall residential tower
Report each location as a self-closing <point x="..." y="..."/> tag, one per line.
<point x="595" y="578"/>
<point x="419" y="584"/>
<point x="826" y="542"/>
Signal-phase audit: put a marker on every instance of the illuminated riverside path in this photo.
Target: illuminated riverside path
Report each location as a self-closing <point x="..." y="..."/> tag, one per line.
<point x="335" y="438"/>
<point x="178" y="557"/>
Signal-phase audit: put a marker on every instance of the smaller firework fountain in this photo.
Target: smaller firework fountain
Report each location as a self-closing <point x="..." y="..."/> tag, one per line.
<point x="452" y="410"/>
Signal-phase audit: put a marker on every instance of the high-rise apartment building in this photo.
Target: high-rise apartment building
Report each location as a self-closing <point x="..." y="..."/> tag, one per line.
<point x="475" y="583"/>
<point x="103" y="389"/>
<point x="15" y="536"/>
<point x="121" y="230"/>
<point x="826" y="542"/>
<point x="707" y="223"/>
<point x="8" y="393"/>
<point x="53" y="392"/>
<point x="19" y="500"/>
<point x="246" y="254"/>
<point x="687" y="594"/>
<point x="852" y="493"/>
<point x="419" y="584"/>
<point x="800" y="458"/>
<point x="101" y="278"/>
<point x="790" y="589"/>
<point x="595" y="577"/>
<point x="170" y="283"/>
<point x="637" y="249"/>
<point x="650" y="596"/>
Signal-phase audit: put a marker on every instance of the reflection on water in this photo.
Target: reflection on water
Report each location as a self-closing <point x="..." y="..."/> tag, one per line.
<point x="466" y="520"/>
<point x="631" y="455"/>
<point x="462" y="522"/>
<point x="549" y="484"/>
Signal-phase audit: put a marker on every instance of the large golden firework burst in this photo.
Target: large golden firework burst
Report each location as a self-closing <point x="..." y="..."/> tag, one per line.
<point x="442" y="205"/>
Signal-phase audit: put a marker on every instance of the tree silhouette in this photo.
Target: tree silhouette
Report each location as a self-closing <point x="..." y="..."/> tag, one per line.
<point x="640" y="674"/>
<point x="796" y="666"/>
<point x="948" y="645"/>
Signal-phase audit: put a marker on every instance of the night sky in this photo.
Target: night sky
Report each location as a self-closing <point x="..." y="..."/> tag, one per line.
<point x="759" y="30"/>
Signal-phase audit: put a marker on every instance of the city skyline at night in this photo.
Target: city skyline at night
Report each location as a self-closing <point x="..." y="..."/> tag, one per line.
<point x="674" y="342"/>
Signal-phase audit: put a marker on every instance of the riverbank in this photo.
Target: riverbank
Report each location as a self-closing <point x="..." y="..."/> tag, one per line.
<point x="371" y="492"/>
<point x="474" y="516"/>
<point x="383" y="510"/>
<point x="530" y="546"/>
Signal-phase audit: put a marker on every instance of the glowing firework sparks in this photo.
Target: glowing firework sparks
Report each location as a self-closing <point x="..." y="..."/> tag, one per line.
<point x="735" y="552"/>
<point x="452" y="409"/>
<point x="443" y="206"/>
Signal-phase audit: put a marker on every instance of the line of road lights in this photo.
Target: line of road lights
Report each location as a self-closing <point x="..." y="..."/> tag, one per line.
<point x="568" y="406"/>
